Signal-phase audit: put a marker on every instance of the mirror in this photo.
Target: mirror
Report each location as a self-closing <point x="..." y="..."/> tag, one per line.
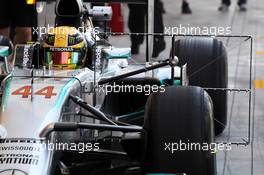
<point x="101" y="13"/>
<point x="5" y="46"/>
<point x="116" y="53"/>
<point x="4" y="51"/>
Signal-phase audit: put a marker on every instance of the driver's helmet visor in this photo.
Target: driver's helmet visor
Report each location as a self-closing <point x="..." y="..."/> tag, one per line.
<point x="62" y="58"/>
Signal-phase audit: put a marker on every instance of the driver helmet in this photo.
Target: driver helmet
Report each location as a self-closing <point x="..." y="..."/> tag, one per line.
<point x="64" y="48"/>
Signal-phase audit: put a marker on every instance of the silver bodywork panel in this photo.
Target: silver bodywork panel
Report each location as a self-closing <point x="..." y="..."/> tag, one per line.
<point x="25" y="112"/>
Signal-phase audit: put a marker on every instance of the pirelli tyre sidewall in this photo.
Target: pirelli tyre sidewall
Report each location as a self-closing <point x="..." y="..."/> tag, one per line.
<point x="206" y="60"/>
<point x="179" y="115"/>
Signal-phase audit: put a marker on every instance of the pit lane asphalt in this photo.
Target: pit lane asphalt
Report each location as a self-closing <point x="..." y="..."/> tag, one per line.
<point x="241" y="160"/>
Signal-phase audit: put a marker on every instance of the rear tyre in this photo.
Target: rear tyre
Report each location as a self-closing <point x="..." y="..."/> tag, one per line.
<point x="179" y="115"/>
<point x="206" y="60"/>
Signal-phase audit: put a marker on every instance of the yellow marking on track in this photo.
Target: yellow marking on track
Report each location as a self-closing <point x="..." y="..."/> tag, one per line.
<point x="259" y="84"/>
<point x="31" y="2"/>
<point x="260" y="53"/>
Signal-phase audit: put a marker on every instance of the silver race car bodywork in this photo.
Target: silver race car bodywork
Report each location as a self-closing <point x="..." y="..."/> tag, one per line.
<point x="33" y="99"/>
<point x="46" y="114"/>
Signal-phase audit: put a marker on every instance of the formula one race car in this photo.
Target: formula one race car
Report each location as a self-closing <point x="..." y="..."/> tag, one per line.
<point x="71" y="104"/>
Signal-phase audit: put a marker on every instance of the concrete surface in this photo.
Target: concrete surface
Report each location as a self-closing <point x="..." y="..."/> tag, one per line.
<point x="238" y="161"/>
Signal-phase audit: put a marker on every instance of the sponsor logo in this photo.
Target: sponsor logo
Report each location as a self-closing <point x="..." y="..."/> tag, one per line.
<point x="61" y="49"/>
<point x="26" y="55"/>
<point x="28" y="159"/>
<point x="19" y="148"/>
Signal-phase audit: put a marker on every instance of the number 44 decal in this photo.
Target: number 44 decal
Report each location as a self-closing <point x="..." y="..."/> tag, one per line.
<point x="25" y="91"/>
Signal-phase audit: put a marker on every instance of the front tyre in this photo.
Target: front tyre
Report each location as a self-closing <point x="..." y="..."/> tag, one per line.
<point x="206" y="60"/>
<point x="179" y="115"/>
